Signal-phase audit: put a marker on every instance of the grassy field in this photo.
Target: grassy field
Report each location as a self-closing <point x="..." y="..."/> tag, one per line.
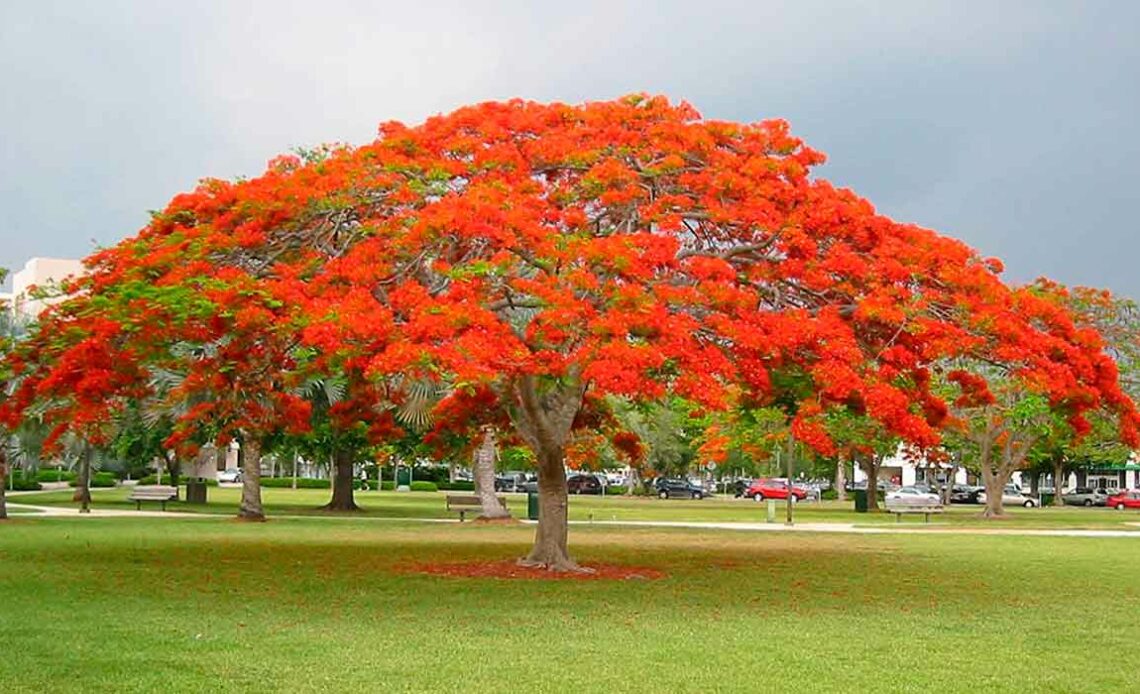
<point x="128" y="605"/>
<point x="720" y="509"/>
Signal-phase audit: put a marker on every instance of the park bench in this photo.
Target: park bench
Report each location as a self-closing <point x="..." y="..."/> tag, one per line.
<point x="153" y="492"/>
<point x="462" y="503"/>
<point x="900" y="509"/>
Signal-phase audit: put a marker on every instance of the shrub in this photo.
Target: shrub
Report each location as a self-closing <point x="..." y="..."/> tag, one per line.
<point x="616" y="489"/>
<point x="424" y="487"/>
<point x="829" y="495"/>
<point x="457" y="486"/>
<point x="54" y="475"/>
<point x="153" y="479"/>
<point x="99" y="480"/>
<point x="104" y="480"/>
<point x="20" y="483"/>
<point x="302" y="483"/>
<point x="209" y="482"/>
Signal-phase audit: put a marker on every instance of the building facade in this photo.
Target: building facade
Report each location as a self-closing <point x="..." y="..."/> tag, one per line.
<point x="42" y="273"/>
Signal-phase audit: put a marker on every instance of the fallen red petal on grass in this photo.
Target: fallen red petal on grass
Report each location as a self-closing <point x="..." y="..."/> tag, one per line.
<point x="509" y="569"/>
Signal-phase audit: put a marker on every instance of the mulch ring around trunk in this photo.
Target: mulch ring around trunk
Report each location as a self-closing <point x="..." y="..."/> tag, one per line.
<point x="510" y="569"/>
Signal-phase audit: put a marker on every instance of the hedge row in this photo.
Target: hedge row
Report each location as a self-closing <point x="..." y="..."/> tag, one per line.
<point x="53" y="475"/>
<point x="19" y="483"/>
<point x="457" y="486"/>
<point x="302" y="483"/>
<point x="99" y="480"/>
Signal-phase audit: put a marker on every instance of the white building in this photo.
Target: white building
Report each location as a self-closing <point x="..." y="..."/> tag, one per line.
<point x="43" y="273"/>
<point x="899" y="470"/>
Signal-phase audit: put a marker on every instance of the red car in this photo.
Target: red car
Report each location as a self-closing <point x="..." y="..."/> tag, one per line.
<point x="1124" y="500"/>
<point x="774" y="489"/>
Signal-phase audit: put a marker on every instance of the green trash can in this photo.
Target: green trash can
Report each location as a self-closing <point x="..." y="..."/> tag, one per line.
<point x="532" y="505"/>
<point x="860" y="500"/>
<point x="1047" y="499"/>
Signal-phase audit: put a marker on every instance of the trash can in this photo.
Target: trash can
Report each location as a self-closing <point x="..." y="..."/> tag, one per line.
<point x="860" y="500"/>
<point x="1047" y="498"/>
<point x="195" y="491"/>
<point x="532" y="505"/>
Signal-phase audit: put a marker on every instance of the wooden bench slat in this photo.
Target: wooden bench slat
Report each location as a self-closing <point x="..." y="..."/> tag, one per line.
<point x="467" y="502"/>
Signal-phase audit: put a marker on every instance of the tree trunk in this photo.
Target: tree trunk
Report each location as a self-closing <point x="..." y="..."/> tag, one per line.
<point x="83" y="483"/>
<point x="250" y="455"/>
<point x="790" y="501"/>
<point x="948" y="487"/>
<point x="550" y="540"/>
<point x="452" y="470"/>
<point x="841" y="480"/>
<point x="485" y="477"/>
<point x="342" y="495"/>
<point x="870" y="465"/>
<point x="995" y="485"/>
<point x="1058" y="486"/>
<point x="174" y="468"/>
<point x="3" y="484"/>
<point x="544" y="420"/>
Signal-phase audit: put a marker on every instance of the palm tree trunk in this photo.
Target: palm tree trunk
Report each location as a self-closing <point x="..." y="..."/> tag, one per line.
<point x="485" y="475"/>
<point x="250" y="454"/>
<point x="83" y="484"/>
<point x="1058" y="486"/>
<point x="3" y="484"/>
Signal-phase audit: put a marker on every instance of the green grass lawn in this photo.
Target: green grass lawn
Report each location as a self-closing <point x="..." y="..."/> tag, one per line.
<point x="224" y="500"/>
<point x="131" y="605"/>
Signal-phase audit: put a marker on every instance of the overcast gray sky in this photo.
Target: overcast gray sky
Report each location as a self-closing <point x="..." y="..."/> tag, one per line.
<point x="1011" y="125"/>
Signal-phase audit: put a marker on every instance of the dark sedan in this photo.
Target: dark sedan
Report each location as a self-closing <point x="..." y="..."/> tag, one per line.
<point x="670" y="488"/>
<point x="584" y="484"/>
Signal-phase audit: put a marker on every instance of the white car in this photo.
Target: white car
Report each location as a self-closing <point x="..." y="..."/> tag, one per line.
<point x="229" y="476"/>
<point x="910" y="496"/>
<point x="1011" y="496"/>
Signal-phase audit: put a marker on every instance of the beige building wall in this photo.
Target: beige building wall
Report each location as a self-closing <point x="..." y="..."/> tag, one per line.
<point x="39" y="272"/>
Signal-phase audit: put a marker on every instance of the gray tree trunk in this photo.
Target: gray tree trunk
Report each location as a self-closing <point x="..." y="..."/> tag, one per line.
<point x="3" y="484"/>
<point x="841" y="480"/>
<point x="995" y="481"/>
<point x="83" y="483"/>
<point x="484" y="461"/>
<point x="1058" y="485"/>
<point x="250" y="453"/>
<point x="543" y="419"/>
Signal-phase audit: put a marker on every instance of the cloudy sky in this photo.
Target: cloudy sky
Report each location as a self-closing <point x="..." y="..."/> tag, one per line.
<point x="1009" y="124"/>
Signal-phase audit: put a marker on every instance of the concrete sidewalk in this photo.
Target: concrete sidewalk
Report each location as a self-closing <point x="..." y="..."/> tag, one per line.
<point x="840" y="528"/>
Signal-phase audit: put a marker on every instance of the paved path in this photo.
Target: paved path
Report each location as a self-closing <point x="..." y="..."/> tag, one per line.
<point x="848" y="528"/>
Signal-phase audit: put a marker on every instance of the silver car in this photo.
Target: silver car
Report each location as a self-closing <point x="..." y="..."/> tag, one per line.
<point x="911" y="496"/>
<point x="1012" y="496"/>
<point x="1085" y="496"/>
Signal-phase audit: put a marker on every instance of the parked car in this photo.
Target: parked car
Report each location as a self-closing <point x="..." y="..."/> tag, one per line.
<point x="585" y="484"/>
<point x="774" y="488"/>
<point x="1124" y="500"/>
<point x="1011" y="496"/>
<point x="1085" y="496"/>
<point x="230" y="476"/>
<point x="675" y="488"/>
<point x="737" y="487"/>
<point x="511" y="482"/>
<point x="965" y="494"/>
<point x="912" y="496"/>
